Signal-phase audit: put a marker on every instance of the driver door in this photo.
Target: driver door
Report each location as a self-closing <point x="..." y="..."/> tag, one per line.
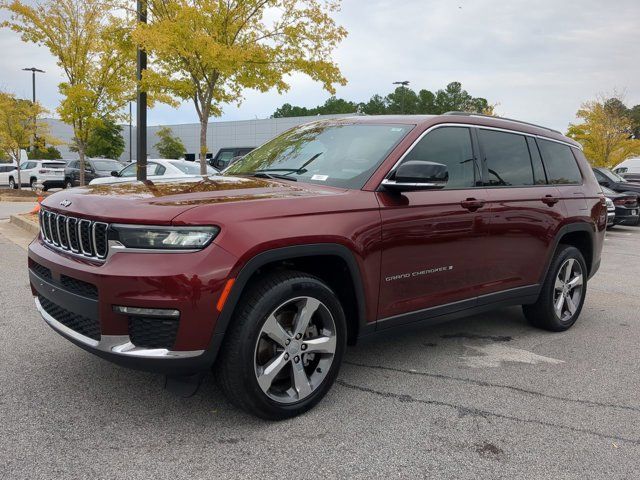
<point x="433" y="240"/>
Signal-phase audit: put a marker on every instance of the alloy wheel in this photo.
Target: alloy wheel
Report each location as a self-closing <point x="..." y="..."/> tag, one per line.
<point x="295" y="349"/>
<point x="568" y="289"/>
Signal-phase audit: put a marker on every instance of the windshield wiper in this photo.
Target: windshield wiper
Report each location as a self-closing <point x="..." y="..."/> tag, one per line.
<point x="264" y="174"/>
<point x="289" y="171"/>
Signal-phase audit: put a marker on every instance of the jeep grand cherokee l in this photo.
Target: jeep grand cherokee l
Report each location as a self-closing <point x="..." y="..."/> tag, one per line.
<point x="329" y="233"/>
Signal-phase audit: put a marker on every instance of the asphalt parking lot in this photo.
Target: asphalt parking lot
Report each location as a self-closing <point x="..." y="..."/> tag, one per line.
<point x="482" y="397"/>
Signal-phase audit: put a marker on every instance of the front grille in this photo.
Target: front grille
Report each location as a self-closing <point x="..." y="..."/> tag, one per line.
<point x="80" y="236"/>
<point x="41" y="270"/>
<point x="153" y="332"/>
<point x="83" y="325"/>
<point x="79" y="287"/>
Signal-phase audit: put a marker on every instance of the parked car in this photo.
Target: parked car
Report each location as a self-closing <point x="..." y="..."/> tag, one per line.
<point x="48" y="173"/>
<point x="226" y="156"/>
<point x="611" y="213"/>
<point x="329" y="233"/>
<point x="615" y="182"/>
<point x="627" y="211"/>
<point x="629" y="169"/>
<point x="93" y="168"/>
<point x="5" y="173"/>
<point x="156" y="169"/>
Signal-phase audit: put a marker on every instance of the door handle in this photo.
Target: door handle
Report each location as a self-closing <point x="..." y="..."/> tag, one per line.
<point x="472" y="204"/>
<point x="550" y="200"/>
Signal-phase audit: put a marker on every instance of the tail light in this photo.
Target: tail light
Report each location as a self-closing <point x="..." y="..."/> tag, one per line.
<point x="626" y="202"/>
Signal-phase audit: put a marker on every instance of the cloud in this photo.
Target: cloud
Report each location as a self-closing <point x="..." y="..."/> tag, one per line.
<point x="539" y="60"/>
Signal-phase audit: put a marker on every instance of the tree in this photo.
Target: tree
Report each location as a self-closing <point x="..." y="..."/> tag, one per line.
<point x="606" y="132"/>
<point x="208" y="51"/>
<point x="41" y="152"/>
<point x="169" y="146"/>
<point x="17" y="126"/>
<point x="91" y="44"/>
<point x="105" y="139"/>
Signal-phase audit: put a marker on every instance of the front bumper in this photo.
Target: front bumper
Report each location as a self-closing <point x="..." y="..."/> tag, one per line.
<point x="133" y="279"/>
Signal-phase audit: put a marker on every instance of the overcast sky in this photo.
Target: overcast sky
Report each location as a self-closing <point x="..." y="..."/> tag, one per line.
<point x="538" y="60"/>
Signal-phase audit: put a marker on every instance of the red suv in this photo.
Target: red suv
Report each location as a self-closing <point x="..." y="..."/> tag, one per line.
<point x="331" y="232"/>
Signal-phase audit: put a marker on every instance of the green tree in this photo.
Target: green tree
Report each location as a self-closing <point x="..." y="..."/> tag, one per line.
<point x="375" y="106"/>
<point x="402" y="100"/>
<point x="44" y="153"/>
<point x="209" y="51"/>
<point x="105" y="140"/>
<point x="169" y="145"/>
<point x="90" y="40"/>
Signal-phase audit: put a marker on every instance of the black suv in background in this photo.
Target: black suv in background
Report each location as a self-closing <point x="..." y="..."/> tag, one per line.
<point x="226" y="156"/>
<point x="613" y="181"/>
<point x="93" y="168"/>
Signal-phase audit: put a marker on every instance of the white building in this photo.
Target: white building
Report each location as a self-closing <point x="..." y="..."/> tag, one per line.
<point x="245" y="133"/>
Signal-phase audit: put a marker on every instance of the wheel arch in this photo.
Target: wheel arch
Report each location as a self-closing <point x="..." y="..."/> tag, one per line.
<point x="316" y="259"/>
<point x="579" y="235"/>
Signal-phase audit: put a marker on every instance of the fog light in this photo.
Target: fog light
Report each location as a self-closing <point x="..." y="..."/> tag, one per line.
<point x="147" y="312"/>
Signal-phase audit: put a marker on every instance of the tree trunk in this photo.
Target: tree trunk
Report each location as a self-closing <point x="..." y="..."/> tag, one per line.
<point x="81" y="155"/>
<point x="204" y="122"/>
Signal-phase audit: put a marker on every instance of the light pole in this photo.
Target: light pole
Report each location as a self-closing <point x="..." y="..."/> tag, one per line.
<point x="404" y="84"/>
<point x="33" y="71"/>
<point x="141" y="103"/>
<point x="130" y="139"/>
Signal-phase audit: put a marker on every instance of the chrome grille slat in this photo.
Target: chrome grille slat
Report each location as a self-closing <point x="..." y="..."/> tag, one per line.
<point x="75" y="235"/>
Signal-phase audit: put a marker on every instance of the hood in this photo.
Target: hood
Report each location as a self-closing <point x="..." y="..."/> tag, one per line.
<point x="159" y="202"/>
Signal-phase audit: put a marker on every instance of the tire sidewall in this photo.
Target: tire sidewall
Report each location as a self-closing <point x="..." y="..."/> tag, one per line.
<point x="296" y="287"/>
<point x="563" y="255"/>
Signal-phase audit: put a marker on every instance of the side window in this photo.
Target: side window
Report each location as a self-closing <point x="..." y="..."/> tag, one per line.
<point x="129" y="171"/>
<point x="507" y="158"/>
<point x="450" y="146"/>
<point x="559" y="163"/>
<point x="539" y="175"/>
<point x="155" y="169"/>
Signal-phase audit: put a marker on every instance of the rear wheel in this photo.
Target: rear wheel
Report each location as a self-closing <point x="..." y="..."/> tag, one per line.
<point x="563" y="292"/>
<point x="33" y="183"/>
<point x="283" y="350"/>
<point x="12" y="184"/>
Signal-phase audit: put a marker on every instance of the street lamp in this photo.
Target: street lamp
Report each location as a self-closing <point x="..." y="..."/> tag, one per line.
<point x="141" y="103"/>
<point x="33" y="71"/>
<point x="404" y="83"/>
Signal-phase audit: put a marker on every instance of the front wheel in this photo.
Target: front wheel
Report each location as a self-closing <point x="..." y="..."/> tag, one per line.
<point x="68" y="184"/>
<point x="284" y="347"/>
<point x="12" y="184"/>
<point x="563" y="292"/>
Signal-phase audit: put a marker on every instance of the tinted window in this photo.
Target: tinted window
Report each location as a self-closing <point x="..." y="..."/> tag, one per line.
<point x="106" y="165"/>
<point x="53" y="164"/>
<point x="507" y="158"/>
<point x="450" y="146"/>
<point x="559" y="163"/>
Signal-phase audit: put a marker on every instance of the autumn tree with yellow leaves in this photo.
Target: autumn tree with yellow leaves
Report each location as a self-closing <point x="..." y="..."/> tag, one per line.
<point x="605" y="132"/>
<point x="91" y="41"/>
<point x="209" y="51"/>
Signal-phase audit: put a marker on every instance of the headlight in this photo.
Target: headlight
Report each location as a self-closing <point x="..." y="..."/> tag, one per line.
<point x="163" y="238"/>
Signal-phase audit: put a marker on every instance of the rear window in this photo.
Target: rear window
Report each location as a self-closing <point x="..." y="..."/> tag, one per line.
<point x="106" y="165"/>
<point x="53" y="164"/>
<point x="188" y="167"/>
<point x="559" y="163"/>
<point x="507" y="158"/>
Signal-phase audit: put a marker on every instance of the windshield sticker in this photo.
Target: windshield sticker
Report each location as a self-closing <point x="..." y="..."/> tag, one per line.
<point x="320" y="178"/>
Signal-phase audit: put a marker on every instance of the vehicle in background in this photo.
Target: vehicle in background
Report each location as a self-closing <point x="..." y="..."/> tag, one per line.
<point x="227" y="156"/>
<point x="5" y="171"/>
<point x="611" y="212"/>
<point x="157" y="168"/>
<point x="626" y="206"/>
<point x="615" y="182"/>
<point x="629" y="169"/>
<point x="93" y="168"/>
<point x="48" y="173"/>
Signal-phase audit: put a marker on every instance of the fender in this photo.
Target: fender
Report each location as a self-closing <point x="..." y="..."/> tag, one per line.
<point x="284" y="253"/>
<point x="562" y="231"/>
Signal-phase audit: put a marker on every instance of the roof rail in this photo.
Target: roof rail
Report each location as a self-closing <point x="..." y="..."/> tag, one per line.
<point x="471" y="114"/>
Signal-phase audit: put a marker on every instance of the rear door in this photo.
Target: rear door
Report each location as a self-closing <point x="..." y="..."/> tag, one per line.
<point x="525" y="210"/>
<point x="433" y="239"/>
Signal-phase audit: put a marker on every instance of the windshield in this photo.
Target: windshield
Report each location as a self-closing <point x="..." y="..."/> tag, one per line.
<point x="107" y="165"/>
<point x="337" y="154"/>
<point x="612" y="176"/>
<point x="191" y="168"/>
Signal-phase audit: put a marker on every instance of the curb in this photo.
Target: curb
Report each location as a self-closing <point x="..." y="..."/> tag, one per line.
<point x="18" y="199"/>
<point x="25" y="224"/>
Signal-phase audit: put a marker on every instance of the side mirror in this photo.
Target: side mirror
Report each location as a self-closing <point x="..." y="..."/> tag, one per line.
<point x="418" y="175"/>
<point x="114" y="173"/>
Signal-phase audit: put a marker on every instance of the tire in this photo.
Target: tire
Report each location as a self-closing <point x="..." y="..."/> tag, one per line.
<point x="248" y="353"/>
<point x="33" y="183"/>
<point x="68" y="183"/>
<point x="543" y="314"/>
<point x="12" y="184"/>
